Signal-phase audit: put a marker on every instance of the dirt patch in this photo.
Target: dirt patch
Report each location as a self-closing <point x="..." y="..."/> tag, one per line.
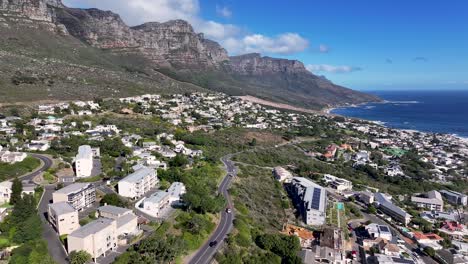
<point x="264" y="137"/>
<point x="276" y="105"/>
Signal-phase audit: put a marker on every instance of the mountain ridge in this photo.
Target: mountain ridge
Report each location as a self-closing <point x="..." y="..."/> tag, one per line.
<point x="171" y="50"/>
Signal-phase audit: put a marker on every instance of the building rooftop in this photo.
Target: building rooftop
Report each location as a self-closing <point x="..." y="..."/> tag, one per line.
<point x="138" y="175"/>
<point x="84" y="152"/>
<point x="62" y="208"/>
<point x="113" y="210"/>
<point x="384" y="201"/>
<point x="157" y="197"/>
<point x="73" y="188"/>
<point x="125" y="219"/>
<point x="92" y="228"/>
<point x="176" y="189"/>
<point x="314" y="194"/>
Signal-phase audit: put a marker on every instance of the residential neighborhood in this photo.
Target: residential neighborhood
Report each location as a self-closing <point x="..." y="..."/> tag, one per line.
<point x="114" y="180"/>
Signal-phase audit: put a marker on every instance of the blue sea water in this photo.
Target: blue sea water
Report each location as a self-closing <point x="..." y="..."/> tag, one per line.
<point x="428" y="111"/>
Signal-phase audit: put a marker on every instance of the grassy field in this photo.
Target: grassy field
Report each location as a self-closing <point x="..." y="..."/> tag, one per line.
<point x="8" y="171"/>
<point x="259" y="206"/>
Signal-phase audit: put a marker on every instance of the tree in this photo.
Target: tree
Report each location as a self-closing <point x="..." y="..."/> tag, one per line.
<point x="178" y="161"/>
<point x="79" y="257"/>
<point x="429" y="251"/>
<point x="371" y="209"/>
<point x="16" y="190"/>
<point x="113" y="199"/>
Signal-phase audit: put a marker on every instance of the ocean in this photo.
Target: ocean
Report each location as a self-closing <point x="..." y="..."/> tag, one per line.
<point x="427" y="111"/>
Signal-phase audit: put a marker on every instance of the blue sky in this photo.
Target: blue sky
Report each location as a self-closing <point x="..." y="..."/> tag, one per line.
<point x="365" y="45"/>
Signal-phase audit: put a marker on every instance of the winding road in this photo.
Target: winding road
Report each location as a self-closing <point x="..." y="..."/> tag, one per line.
<point x="46" y="164"/>
<point x="55" y="247"/>
<point x="206" y="252"/>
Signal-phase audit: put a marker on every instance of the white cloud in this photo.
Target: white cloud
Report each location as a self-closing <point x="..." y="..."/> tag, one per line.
<point x="324" y="48"/>
<point x="223" y="11"/>
<point x="332" y="69"/>
<point x="231" y="36"/>
<point x="287" y="43"/>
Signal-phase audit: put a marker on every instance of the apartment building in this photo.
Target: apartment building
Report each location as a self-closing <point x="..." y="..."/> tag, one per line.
<point x="63" y="217"/>
<point x="84" y="162"/>
<point x="78" y="195"/>
<point x="455" y="198"/>
<point x="311" y="200"/>
<point x="97" y="238"/>
<point x="338" y="184"/>
<point x="138" y="183"/>
<point x="385" y="205"/>
<point x="431" y="200"/>
<point x="105" y="233"/>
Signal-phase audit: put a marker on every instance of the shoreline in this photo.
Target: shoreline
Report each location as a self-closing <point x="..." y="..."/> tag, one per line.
<point x="384" y="124"/>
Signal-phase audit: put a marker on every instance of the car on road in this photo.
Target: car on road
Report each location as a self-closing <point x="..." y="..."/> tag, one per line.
<point x="213" y="243"/>
<point x="228" y="210"/>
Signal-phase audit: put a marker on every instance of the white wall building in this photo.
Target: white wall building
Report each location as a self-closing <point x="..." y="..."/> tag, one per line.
<point x="161" y="200"/>
<point x="282" y="175"/>
<point x="138" y="183"/>
<point x="339" y="184"/>
<point x="105" y="233"/>
<point x="432" y="200"/>
<point x="78" y="195"/>
<point x="84" y="161"/>
<point x="63" y="217"/>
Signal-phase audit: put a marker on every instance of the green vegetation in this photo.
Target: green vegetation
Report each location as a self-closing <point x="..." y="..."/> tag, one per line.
<point x="159" y="246"/>
<point x="259" y="202"/>
<point x="16" y="190"/>
<point x="195" y="228"/>
<point x="33" y="252"/>
<point x="8" y="171"/>
<point x="113" y="199"/>
<point x="80" y="257"/>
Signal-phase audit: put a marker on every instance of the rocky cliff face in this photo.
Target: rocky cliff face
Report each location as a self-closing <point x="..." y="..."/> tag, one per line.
<point x="166" y="49"/>
<point x="255" y="64"/>
<point x="170" y="44"/>
<point x="31" y="13"/>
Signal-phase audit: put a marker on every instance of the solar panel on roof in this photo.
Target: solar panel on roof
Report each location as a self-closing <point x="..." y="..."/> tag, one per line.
<point x="384" y="228"/>
<point x="316" y="198"/>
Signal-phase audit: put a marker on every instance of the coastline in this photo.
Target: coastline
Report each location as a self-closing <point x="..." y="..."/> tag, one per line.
<point x="328" y="111"/>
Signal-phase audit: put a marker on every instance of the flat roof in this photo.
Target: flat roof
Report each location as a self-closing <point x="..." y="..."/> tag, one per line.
<point x="113" y="210"/>
<point x="62" y="208"/>
<point x="138" y="175"/>
<point x="157" y="197"/>
<point x="125" y="219"/>
<point x="384" y="201"/>
<point x="73" y="188"/>
<point x="92" y="227"/>
<point x="84" y="152"/>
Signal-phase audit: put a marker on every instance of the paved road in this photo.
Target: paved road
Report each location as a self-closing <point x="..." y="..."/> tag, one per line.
<point x="46" y="164"/>
<point x="56" y="249"/>
<point x="206" y="253"/>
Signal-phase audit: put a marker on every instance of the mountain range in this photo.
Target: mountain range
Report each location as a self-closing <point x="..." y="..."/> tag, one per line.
<point x="52" y="52"/>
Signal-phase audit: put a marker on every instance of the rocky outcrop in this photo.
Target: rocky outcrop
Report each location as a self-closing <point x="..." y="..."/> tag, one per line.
<point x="255" y="64"/>
<point x="31" y="13"/>
<point x="169" y="44"/>
<point x="165" y="49"/>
